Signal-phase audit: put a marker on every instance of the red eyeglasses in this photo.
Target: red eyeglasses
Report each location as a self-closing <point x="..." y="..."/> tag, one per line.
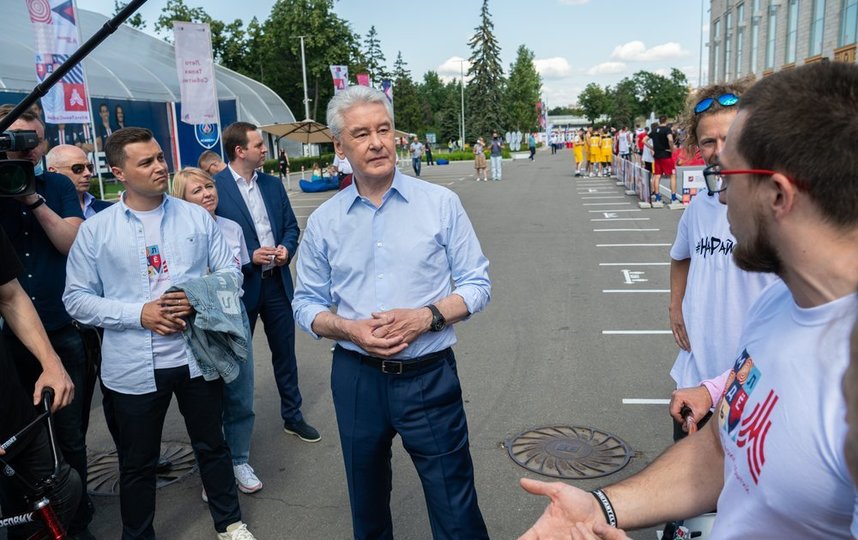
<point x="713" y="175"/>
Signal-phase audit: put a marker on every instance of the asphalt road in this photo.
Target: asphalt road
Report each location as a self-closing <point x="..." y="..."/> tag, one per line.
<point x="576" y="268"/>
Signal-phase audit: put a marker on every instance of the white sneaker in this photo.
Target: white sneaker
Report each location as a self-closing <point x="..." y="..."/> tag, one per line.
<point x="246" y="478"/>
<point x="236" y="531"/>
<point x="205" y="496"/>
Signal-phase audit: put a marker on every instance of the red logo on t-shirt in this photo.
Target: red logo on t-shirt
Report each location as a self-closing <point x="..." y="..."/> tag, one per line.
<point x="754" y="430"/>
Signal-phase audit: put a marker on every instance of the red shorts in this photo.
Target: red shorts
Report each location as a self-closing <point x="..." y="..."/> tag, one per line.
<point x="664" y="166"/>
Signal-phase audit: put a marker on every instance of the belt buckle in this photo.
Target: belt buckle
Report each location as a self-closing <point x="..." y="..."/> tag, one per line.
<point x="391" y="367"/>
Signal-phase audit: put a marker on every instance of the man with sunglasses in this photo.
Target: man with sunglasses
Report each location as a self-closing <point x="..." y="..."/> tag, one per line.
<point x="72" y="162"/>
<point x="774" y="460"/>
<point x="709" y="294"/>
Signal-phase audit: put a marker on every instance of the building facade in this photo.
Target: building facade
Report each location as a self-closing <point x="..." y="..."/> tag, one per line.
<point x="760" y="37"/>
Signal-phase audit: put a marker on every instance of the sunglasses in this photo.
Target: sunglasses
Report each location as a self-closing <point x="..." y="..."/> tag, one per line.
<point x="725" y="100"/>
<point x="78" y="168"/>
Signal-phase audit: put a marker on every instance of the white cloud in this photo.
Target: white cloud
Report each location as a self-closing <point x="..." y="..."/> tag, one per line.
<point x="452" y="67"/>
<point x="552" y="68"/>
<point x="636" y="51"/>
<point x="560" y="94"/>
<point x="574" y="2"/>
<point x="607" y="68"/>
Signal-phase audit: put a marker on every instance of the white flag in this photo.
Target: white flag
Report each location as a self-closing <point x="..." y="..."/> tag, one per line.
<point x="56" y="38"/>
<point x="340" y="75"/>
<point x="195" y="67"/>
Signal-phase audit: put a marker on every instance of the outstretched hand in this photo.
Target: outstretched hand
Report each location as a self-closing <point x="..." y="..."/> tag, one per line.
<point x="568" y="505"/>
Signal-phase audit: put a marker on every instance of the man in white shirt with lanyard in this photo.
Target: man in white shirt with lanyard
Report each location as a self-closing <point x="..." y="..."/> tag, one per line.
<point x="773" y="460"/>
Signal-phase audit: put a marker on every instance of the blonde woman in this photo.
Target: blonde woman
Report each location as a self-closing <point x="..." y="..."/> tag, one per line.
<point x="196" y="186"/>
<point x="480" y="160"/>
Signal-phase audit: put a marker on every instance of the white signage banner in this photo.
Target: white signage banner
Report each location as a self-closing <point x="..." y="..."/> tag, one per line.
<point x="56" y="38"/>
<point x="195" y="67"/>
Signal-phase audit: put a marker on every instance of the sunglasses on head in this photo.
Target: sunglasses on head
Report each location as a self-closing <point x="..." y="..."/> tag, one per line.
<point x="77" y="168"/>
<point x="725" y="100"/>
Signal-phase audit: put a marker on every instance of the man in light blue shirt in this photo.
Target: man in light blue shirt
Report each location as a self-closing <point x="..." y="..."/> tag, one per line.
<point x="119" y="268"/>
<point x="399" y="260"/>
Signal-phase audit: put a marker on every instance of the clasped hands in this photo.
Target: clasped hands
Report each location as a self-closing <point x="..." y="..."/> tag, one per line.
<point x="165" y="315"/>
<point x="266" y="255"/>
<point x="388" y="333"/>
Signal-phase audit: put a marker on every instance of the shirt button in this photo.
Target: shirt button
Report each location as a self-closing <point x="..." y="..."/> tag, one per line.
<point x="32" y="298"/>
<point x="30" y="275"/>
<point x="378" y="244"/>
<point x="380" y="276"/>
<point x="26" y="254"/>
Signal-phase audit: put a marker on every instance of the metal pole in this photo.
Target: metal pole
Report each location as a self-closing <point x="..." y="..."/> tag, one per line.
<point x="304" y="73"/>
<point x="700" y="67"/>
<point x="462" y="70"/>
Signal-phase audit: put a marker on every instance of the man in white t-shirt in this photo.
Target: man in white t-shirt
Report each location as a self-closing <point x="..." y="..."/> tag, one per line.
<point x="119" y="269"/>
<point x="773" y="461"/>
<point x="709" y="294"/>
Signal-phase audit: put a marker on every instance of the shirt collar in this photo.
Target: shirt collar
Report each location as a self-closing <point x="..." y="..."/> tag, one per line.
<point x="87" y="199"/>
<point x="238" y="177"/>
<point x="400" y="186"/>
<point x="165" y="203"/>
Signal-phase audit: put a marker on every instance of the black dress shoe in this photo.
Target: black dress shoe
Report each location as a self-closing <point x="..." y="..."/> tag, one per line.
<point x="302" y="430"/>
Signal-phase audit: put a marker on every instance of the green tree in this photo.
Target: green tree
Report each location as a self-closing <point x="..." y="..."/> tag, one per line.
<point x="328" y="40"/>
<point x="522" y="92"/>
<point x="450" y="119"/>
<point x="373" y="56"/>
<point x="661" y="95"/>
<point x="406" y="104"/>
<point x="622" y="103"/>
<point x="593" y="102"/>
<point x="432" y="95"/>
<point x="135" y="21"/>
<point x="225" y="37"/>
<point x="485" y="89"/>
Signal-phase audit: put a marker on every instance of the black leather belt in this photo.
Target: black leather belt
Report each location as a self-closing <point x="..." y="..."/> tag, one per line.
<point x="398" y="367"/>
<point x="268" y="273"/>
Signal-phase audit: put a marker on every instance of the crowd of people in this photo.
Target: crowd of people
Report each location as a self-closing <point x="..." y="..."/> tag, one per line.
<point x="763" y="328"/>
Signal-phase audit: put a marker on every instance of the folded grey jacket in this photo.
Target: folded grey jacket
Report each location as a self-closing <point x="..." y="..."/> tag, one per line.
<point x="219" y="331"/>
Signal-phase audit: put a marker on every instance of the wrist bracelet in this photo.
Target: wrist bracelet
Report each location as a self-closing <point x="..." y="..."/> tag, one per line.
<point x="39" y="202"/>
<point x="607" y="508"/>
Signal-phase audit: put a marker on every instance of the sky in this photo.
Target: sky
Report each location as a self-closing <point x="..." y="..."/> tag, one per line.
<point x="575" y="42"/>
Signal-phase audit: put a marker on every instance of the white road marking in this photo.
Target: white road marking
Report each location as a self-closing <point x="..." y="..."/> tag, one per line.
<point x="607" y="197"/>
<point x="625" y="230"/>
<point x="621" y="219"/>
<point x="618" y="210"/>
<point x="635" y="264"/>
<point x="603" y="203"/>
<point x="635" y="290"/>
<point x="631" y="245"/>
<point x="635" y="332"/>
<point x="633" y="276"/>
<point x="645" y="401"/>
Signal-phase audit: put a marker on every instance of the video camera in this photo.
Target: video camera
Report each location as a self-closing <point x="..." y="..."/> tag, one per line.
<point x="17" y="177"/>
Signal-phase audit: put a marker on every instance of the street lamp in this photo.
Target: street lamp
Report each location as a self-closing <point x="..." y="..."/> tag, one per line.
<point x="462" y="128"/>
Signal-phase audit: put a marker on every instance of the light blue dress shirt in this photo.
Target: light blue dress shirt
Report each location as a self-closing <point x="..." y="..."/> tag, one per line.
<point x="107" y="281"/>
<point x="409" y="252"/>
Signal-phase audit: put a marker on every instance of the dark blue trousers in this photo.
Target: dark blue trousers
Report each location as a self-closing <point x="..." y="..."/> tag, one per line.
<point x="425" y="408"/>
<point x="276" y="312"/>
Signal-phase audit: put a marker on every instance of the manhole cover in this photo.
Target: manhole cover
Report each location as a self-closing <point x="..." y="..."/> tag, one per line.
<point x="103" y="469"/>
<point x="571" y="452"/>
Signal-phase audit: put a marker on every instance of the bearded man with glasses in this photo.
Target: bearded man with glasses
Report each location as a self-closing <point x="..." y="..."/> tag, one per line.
<point x="72" y="162"/>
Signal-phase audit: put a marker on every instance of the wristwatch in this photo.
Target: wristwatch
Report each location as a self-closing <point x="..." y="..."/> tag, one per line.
<point x="438" y="321"/>
<point x="39" y="202"/>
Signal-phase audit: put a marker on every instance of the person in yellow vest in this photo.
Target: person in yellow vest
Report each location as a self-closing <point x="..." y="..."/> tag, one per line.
<point x="595" y="159"/>
<point x="607" y="151"/>
<point x="578" y="144"/>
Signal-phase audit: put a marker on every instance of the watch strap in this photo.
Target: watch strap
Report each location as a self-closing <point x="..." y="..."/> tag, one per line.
<point x="39" y="202"/>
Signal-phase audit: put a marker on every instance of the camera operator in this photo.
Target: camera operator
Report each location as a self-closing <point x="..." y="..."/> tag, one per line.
<point x="42" y="228"/>
<point x="29" y="455"/>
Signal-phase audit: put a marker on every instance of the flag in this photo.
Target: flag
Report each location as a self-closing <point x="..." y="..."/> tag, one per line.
<point x="56" y="38"/>
<point x="387" y="88"/>
<point x="195" y="68"/>
<point x="363" y="79"/>
<point x="341" y="78"/>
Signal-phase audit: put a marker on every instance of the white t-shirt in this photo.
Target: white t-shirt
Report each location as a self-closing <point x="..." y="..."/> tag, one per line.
<point x="717" y="294"/>
<point x="782" y="424"/>
<point x="234" y="237"/>
<point x="167" y="351"/>
<point x="342" y="164"/>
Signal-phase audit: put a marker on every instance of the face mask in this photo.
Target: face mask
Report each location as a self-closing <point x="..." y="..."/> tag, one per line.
<point x="39" y="169"/>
